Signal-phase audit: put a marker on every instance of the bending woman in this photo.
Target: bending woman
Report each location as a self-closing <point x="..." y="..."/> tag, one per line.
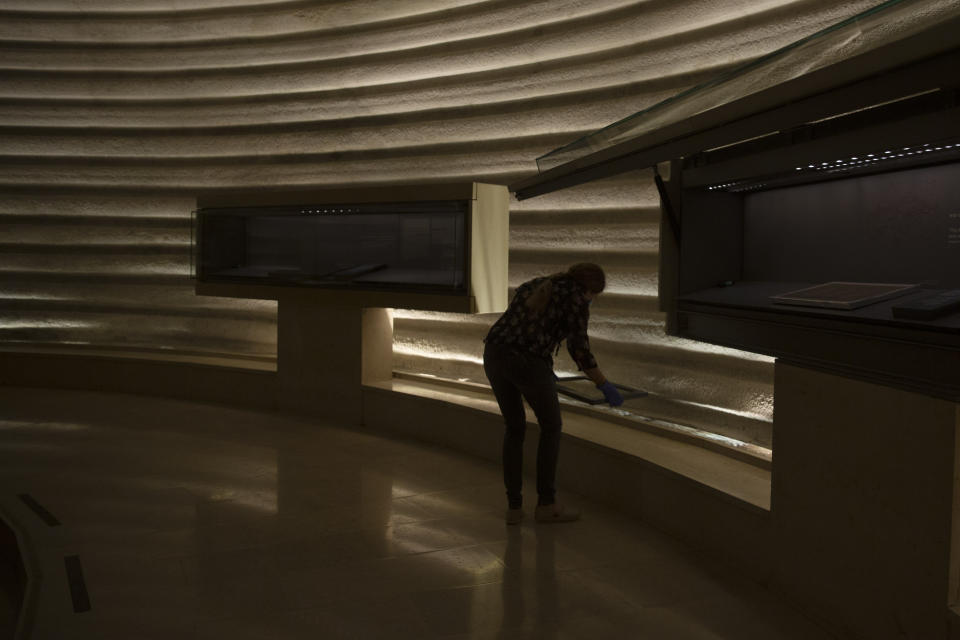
<point x="518" y="361"/>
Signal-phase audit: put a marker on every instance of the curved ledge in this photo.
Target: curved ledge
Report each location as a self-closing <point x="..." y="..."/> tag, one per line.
<point x="465" y="416"/>
<point x="752" y="454"/>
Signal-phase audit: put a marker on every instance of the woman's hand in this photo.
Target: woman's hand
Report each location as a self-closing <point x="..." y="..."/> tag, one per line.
<point x="610" y="393"/>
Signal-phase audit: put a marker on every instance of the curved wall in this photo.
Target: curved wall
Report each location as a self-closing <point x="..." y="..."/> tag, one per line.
<point x="113" y="119"/>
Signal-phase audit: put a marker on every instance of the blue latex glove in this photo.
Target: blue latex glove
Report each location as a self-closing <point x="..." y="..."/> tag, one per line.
<point x="611" y="394"/>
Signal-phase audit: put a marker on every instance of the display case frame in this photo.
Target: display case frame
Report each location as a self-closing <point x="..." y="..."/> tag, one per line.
<point x="482" y="245"/>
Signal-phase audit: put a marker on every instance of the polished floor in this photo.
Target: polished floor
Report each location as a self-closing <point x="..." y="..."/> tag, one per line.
<point x="198" y="521"/>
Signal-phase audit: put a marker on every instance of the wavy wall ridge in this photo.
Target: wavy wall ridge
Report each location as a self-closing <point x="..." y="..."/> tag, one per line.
<point x="114" y="118"/>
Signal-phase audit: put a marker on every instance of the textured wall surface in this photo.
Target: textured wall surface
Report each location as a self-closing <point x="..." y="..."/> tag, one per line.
<point x="114" y="115"/>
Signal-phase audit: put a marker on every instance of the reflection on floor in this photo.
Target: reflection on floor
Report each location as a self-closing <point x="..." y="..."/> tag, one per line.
<point x="197" y="521"/>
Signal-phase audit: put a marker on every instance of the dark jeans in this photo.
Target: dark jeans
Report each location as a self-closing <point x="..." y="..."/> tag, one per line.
<point x="514" y="376"/>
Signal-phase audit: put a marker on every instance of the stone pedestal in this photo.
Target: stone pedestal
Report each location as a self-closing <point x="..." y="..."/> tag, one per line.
<point x="324" y="355"/>
<point x="863" y="500"/>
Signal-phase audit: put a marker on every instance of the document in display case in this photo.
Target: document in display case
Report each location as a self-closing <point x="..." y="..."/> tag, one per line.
<point x="843" y="295"/>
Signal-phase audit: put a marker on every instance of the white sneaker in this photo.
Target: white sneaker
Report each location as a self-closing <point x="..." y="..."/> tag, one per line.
<point x="556" y="513"/>
<point x="514" y="516"/>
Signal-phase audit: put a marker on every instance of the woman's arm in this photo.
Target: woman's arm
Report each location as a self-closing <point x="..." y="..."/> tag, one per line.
<point x="596" y="375"/>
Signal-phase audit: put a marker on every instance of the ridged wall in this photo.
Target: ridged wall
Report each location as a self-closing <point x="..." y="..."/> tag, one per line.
<point x="115" y="115"/>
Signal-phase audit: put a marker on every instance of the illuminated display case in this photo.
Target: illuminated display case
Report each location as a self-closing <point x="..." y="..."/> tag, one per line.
<point x="415" y="245"/>
<point x="441" y="247"/>
<point x="834" y="244"/>
<point x="811" y="199"/>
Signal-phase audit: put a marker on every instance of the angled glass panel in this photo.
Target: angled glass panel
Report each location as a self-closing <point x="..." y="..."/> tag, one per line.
<point x="884" y="24"/>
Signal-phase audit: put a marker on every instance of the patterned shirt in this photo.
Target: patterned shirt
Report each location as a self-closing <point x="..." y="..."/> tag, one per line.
<point x="543" y="313"/>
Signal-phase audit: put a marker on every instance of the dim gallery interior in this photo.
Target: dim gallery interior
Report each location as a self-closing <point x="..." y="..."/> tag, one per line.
<point x="251" y="250"/>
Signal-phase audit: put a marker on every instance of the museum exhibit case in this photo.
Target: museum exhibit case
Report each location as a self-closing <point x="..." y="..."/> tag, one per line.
<point x="434" y="247"/>
<point x="811" y="199"/>
<point x="416" y="245"/>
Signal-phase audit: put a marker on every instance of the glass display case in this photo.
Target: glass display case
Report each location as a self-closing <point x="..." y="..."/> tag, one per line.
<point x="441" y="248"/>
<point x="849" y="258"/>
<point x="416" y="246"/>
<point x="811" y="199"/>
